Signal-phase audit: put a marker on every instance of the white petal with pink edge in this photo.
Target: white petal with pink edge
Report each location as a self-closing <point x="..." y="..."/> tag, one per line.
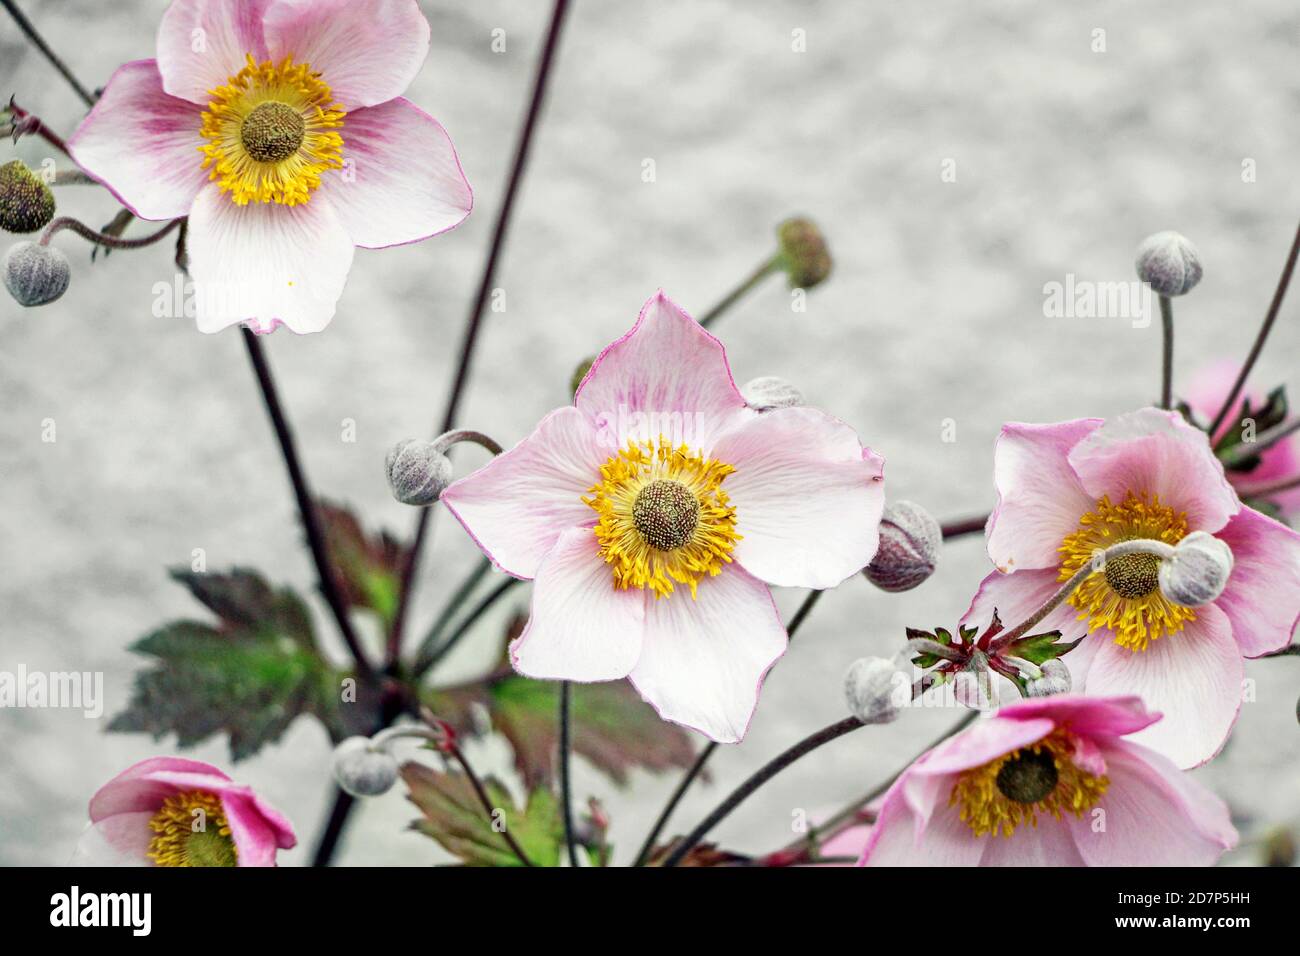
<point x="142" y="144"/>
<point x="1016" y="597"/>
<point x="581" y="627"/>
<point x="202" y="43"/>
<point x="1040" y="499"/>
<point x="920" y="829"/>
<point x="367" y="51"/>
<point x="1152" y="815"/>
<point x="266" y="264"/>
<point x="401" y="180"/>
<point x="808" y="497"/>
<point x="1193" y="678"/>
<point x="517" y="505"/>
<point x="1262" y="599"/>
<point x="703" y="661"/>
<point x="667" y="376"/>
<point x="1157" y="453"/>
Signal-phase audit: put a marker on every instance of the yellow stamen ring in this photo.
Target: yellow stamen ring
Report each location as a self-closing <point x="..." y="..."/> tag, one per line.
<point x="190" y="829"/>
<point x="270" y="133"/>
<point x="663" y="519"/>
<point x="1012" y="790"/>
<point x="1125" y="596"/>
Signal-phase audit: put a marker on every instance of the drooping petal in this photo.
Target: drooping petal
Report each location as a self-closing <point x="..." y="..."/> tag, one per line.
<point x="808" y="497"/>
<point x="1040" y="499"/>
<point x="118" y="840"/>
<point x="202" y="43"/>
<point x="703" y="661"/>
<point x="920" y="829"/>
<point x="517" y="505"/>
<point x="667" y="376"/>
<point x="368" y="51"/>
<point x="581" y="627"/>
<point x="257" y="829"/>
<point x="1092" y="717"/>
<point x="1153" y="815"/>
<point x="401" y="180"/>
<point x="141" y="786"/>
<point x="1262" y="599"/>
<point x="1193" y="678"/>
<point x="1157" y="453"/>
<point x="142" y="144"/>
<point x="1017" y="596"/>
<point x="266" y="264"/>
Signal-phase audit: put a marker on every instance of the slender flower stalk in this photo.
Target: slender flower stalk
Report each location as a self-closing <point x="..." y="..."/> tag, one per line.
<point x="1269" y="318"/>
<point x="454" y="604"/>
<point x="566" y="783"/>
<point x="961" y="527"/>
<point x="1264" y="489"/>
<point x="39" y="42"/>
<point x="25" y="123"/>
<point x="1263" y="442"/>
<point x="101" y="238"/>
<point x="1167" y="364"/>
<point x="648" y="846"/>
<point x="430" y="655"/>
<point x="770" y="267"/>
<point x="459" y="756"/>
<point x="474" y="323"/>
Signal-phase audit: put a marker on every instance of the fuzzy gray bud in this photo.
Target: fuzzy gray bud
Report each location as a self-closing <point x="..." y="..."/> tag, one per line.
<point x="871" y="688"/>
<point x="363" y="768"/>
<point x="26" y="203"/>
<point x="768" y="392"/>
<point x="1055" y="680"/>
<point x="1198" y="571"/>
<point x="910" y="540"/>
<point x="418" y="472"/>
<point x="36" y="274"/>
<point x="1169" y="263"/>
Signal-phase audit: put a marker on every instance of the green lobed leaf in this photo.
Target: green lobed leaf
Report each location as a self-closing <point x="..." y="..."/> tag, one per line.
<point x="1038" y="648"/>
<point x="369" y="566"/>
<point x="454" y="816"/>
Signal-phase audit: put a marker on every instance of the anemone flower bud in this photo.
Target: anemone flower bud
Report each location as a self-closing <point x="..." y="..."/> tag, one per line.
<point x="1198" y="571"/>
<point x="870" y="686"/>
<point x="26" y="203"/>
<point x="36" y="274"/>
<point x="803" y="253"/>
<point x="364" y="768"/>
<point x="767" y="392"/>
<point x="909" y="547"/>
<point x="1055" y="680"/>
<point x="580" y="372"/>
<point x="418" y="472"/>
<point x="1169" y="263"/>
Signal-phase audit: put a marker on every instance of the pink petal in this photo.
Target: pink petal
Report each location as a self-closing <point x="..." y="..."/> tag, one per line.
<point x="581" y="627"/>
<point x="987" y="739"/>
<point x="1193" y="678"/>
<point x="266" y="264"/>
<point x="142" y="144"/>
<point x="1157" y="453"/>
<point x="1050" y="843"/>
<point x="368" y="51"/>
<point x="1262" y="599"/>
<point x="901" y="836"/>
<point x="808" y="497"/>
<point x="258" y="830"/>
<point x="119" y="840"/>
<point x="1096" y="718"/>
<point x="202" y="43"/>
<point x="666" y="376"/>
<point x="1017" y="596"/>
<point x="703" y="661"/>
<point x="517" y="505"/>
<point x="1154" y="815"/>
<point x="401" y="180"/>
<point x="1040" y="499"/>
<point x="139" y="788"/>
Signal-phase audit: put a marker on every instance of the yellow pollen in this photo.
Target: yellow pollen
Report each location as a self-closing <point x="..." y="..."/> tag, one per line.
<point x="1125" y="596"/>
<point x="190" y="829"/>
<point x="1012" y="790"/>
<point x="270" y="133"/>
<point x="663" y="516"/>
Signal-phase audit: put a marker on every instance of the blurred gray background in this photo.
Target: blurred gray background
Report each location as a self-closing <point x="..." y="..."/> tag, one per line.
<point x="1065" y="159"/>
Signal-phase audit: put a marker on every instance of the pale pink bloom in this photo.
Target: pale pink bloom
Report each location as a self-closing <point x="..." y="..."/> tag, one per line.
<point x="169" y="811"/>
<point x="1070" y="489"/>
<point x="1205" y="394"/>
<point x="278" y="127"/>
<point x="1053" y="781"/>
<point x="655" y="512"/>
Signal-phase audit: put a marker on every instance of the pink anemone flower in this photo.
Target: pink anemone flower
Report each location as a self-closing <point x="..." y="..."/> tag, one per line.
<point x="655" y="512"/>
<point x="1205" y="394"/>
<point x="169" y="811"/>
<point x="278" y="128"/>
<point x="1069" y="490"/>
<point x="1053" y="781"/>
